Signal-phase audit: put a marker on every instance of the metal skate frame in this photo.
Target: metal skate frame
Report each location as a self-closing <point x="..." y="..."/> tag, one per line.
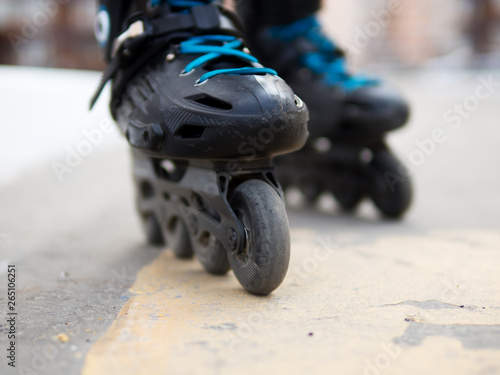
<point x="199" y="193"/>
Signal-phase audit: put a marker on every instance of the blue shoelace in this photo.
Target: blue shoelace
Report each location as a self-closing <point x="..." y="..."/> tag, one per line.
<point x="212" y="47"/>
<point x="325" y="60"/>
<point x="229" y="47"/>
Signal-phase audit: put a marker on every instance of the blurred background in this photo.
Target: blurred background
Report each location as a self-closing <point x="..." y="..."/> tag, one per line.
<point x="79" y="247"/>
<point x="382" y="33"/>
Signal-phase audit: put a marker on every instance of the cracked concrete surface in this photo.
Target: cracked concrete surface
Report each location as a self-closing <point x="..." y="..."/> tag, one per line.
<point x="471" y="336"/>
<point x="362" y="296"/>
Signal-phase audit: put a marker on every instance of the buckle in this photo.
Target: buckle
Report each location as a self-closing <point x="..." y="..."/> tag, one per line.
<point x="135" y="29"/>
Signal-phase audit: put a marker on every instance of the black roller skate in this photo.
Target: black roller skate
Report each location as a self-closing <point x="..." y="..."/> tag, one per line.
<point x="349" y="116"/>
<point x="205" y="120"/>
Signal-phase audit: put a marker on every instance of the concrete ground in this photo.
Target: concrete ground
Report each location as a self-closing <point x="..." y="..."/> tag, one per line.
<point x="362" y="296"/>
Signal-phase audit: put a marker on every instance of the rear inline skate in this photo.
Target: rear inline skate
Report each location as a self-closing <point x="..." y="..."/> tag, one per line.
<point x="204" y="120"/>
<point x="346" y="153"/>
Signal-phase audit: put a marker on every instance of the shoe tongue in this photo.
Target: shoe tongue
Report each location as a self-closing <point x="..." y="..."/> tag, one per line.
<point x="226" y="62"/>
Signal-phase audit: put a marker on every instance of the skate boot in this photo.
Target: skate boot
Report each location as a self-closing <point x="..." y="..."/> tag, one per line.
<point x="349" y="117"/>
<point x="205" y="120"/>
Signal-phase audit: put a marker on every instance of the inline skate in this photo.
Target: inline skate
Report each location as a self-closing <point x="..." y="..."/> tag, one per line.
<point x="204" y="119"/>
<point x="346" y="153"/>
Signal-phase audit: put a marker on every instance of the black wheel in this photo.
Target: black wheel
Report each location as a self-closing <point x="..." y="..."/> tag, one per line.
<point x="152" y="230"/>
<point x="178" y="238"/>
<point x="211" y="254"/>
<point x="390" y="191"/>
<point x="263" y="264"/>
<point x="348" y="197"/>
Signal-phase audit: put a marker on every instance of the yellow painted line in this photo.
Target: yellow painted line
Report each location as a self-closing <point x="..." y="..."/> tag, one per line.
<point x="180" y="320"/>
<point x="171" y="308"/>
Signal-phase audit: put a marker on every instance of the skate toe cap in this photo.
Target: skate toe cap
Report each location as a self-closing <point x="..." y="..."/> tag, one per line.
<point x="264" y="95"/>
<point x="380" y="106"/>
<point x="266" y="106"/>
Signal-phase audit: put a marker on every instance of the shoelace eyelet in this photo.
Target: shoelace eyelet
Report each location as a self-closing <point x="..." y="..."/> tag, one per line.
<point x="184" y="73"/>
<point x="199" y="83"/>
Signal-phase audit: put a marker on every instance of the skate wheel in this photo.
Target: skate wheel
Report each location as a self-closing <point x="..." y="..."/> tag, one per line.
<point x="211" y="254"/>
<point x="391" y="192"/>
<point x="263" y="264"/>
<point x="178" y="238"/>
<point x="152" y="230"/>
<point x="348" y="198"/>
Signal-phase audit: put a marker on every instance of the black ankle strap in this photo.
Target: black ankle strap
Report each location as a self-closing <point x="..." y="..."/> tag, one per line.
<point x="200" y="20"/>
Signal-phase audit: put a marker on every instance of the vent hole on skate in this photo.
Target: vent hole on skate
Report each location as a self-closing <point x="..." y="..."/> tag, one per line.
<point x="145" y="136"/>
<point x="185" y="202"/>
<point x="198" y="202"/>
<point x="172" y="224"/>
<point x="146" y="189"/>
<point x="222" y="183"/>
<point x="205" y="239"/>
<point x="272" y="179"/>
<point x="212" y="102"/>
<point x="190" y="132"/>
<point x="166" y="196"/>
